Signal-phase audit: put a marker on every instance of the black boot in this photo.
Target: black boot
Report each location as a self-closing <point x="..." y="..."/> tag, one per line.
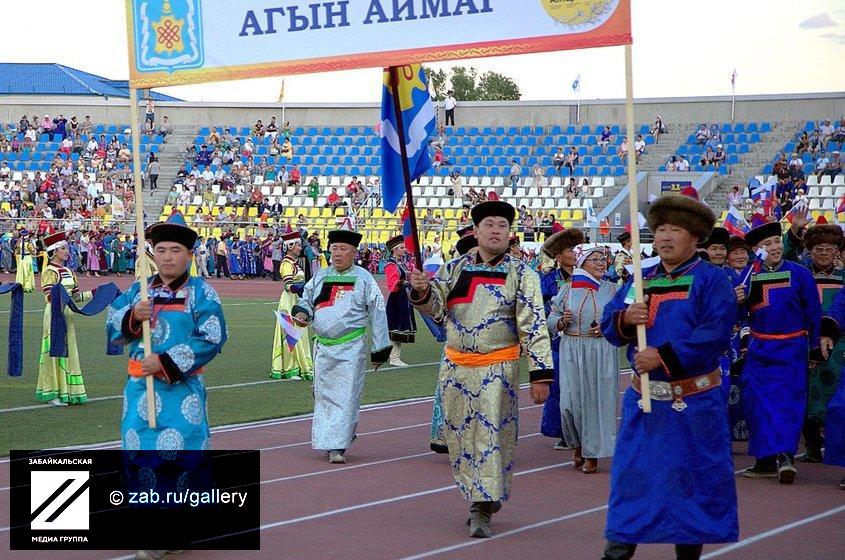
<point x="480" y="514"/>
<point x="813" y="441"/>
<point x="786" y="470"/>
<point x="764" y="467"/>
<point x="688" y="551"/>
<point x="619" y="551"/>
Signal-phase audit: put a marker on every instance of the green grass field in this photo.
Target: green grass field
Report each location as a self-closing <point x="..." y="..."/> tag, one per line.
<point x="245" y="359"/>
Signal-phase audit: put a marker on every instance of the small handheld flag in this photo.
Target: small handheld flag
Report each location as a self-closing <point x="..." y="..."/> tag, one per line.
<point x="432" y="265"/>
<point x="735" y="222"/>
<point x="576" y="83"/>
<point x="582" y="279"/>
<point x="291" y="331"/>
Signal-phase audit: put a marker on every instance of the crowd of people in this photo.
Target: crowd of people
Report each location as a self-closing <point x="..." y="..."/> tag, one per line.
<point x="88" y="178"/>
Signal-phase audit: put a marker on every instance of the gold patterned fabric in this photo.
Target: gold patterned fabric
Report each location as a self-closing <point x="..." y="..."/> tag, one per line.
<point x="486" y="307"/>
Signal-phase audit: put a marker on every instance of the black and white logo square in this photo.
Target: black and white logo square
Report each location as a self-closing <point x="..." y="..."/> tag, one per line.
<point x="59" y="500"/>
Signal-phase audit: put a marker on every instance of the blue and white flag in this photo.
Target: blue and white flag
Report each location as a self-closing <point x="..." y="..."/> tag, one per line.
<point x="418" y="123"/>
<point x="576" y="84"/>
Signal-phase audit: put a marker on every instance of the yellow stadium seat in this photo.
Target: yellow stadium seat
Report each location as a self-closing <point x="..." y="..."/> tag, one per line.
<point x="565" y="214"/>
<point x="724" y="215"/>
<point x="215" y="211"/>
<point x="378" y="213"/>
<point x="6" y="207"/>
<point x="449" y="213"/>
<point x="253" y="212"/>
<point x="167" y="210"/>
<point x="327" y="212"/>
<point x="567" y="225"/>
<point x="313" y="212"/>
<point x="192" y="210"/>
<point x="577" y="215"/>
<point x="217" y="232"/>
<point x="830" y="216"/>
<point x="289" y="212"/>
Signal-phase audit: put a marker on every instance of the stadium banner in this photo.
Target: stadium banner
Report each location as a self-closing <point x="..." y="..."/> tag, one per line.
<point x="179" y="42"/>
<point x="674" y="186"/>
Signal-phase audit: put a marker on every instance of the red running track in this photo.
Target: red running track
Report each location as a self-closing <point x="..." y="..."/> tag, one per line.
<point x="394" y="499"/>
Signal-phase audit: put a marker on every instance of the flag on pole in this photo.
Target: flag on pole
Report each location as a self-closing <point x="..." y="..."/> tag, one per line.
<point x="418" y="123"/>
<point x="733" y="79"/>
<point x="291" y="331"/>
<point x="735" y="222"/>
<point x="576" y="83"/>
<point x="841" y="207"/>
<point x="406" y="230"/>
<point x="282" y="92"/>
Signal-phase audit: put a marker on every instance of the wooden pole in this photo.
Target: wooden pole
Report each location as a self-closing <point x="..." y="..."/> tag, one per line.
<point x="406" y="173"/>
<point x="635" y="223"/>
<point x="141" y="249"/>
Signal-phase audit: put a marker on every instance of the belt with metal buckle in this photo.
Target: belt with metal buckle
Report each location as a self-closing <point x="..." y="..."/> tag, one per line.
<point x="677" y="390"/>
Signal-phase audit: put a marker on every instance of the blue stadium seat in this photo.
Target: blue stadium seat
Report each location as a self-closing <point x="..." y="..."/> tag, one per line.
<point x="112" y="129"/>
<point x="312" y="131"/>
<point x="570" y="130"/>
<point x="584" y="130"/>
<point x="754" y="138"/>
<point x="555" y="130"/>
<point x="298" y="131"/>
<point x="615" y="129"/>
<point x="765" y="127"/>
<point x="739" y="127"/>
<point x="473" y="131"/>
<point x="204" y="131"/>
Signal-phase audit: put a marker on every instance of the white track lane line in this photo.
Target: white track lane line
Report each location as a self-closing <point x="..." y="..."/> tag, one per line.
<point x="211" y="388"/>
<point x="347" y="468"/>
<point x="516" y="531"/>
<point x="773" y="532"/>
<point x="372" y="433"/>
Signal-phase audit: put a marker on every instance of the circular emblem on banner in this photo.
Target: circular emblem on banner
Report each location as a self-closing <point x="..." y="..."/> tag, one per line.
<point x="578" y="13"/>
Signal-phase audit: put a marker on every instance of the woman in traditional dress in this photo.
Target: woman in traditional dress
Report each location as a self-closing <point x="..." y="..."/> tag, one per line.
<point x="25" y="254"/>
<point x="246" y="256"/>
<point x="400" y="313"/>
<point x="60" y="379"/>
<point x="235" y="268"/>
<point x="286" y="364"/>
<point x="93" y="256"/>
<point x="589" y="367"/>
<point x="118" y="251"/>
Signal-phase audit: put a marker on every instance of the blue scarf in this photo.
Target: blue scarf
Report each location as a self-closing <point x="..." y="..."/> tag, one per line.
<point x="102" y="296"/>
<point x="15" y="360"/>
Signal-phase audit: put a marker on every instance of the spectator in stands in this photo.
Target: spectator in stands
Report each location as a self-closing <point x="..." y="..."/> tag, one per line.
<point x="622" y="152"/>
<point x="66" y="146"/>
<point x="584" y="192"/>
<point x="815" y="143"/>
<point x="839" y="134"/>
<point x="715" y="136"/>
<point x="440" y="141"/>
<point x="707" y="157"/>
<point x="274" y="148"/>
<point x="124" y="155"/>
<point x="719" y="157"/>
<point x="287" y="149"/>
<point x="672" y="164"/>
<point x="248" y="147"/>
<point x="683" y="164"/>
<point x="164" y="129"/>
<point x="286" y="130"/>
<point x="572" y="159"/>
<point x="559" y="159"/>
<point x="439" y="159"/>
<point x="73" y="126"/>
<point x="821" y="165"/>
<point x="272" y="129"/>
<point x="255" y="197"/>
<point x="826" y="133"/>
<point x="60" y="126"/>
<point x="639" y="146"/>
<point x="153" y="170"/>
<point x="334" y="200"/>
<point x="150" y="112"/>
<point x="734" y="197"/>
<point x="605" y="139"/>
<point x="23" y="125"/>
<point x="834" y="166"/>
<point x="515" y="173"/>
<point x="77" y="146"/>
<point x="796" y="165"/>
<point x="456" y="189"/>
<point x="47" y="127"/>
<point x="658" y="128"/>
<point x="5" y="171"/>
<point x="258" y="129"/>
<point x="703" y="134"/>
<point x="803" y="144"/>
<point x="571" y="189"/>
<point x="539" y="177"/>
<point x="87" y="127"/>
<point x="449" y="105"/>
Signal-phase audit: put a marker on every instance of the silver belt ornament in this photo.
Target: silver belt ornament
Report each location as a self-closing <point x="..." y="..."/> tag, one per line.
<point x="663" y="391"/>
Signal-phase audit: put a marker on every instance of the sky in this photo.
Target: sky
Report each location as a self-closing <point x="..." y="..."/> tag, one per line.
<point x="681" y="48"/>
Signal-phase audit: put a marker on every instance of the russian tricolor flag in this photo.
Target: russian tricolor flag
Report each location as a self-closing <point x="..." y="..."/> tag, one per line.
<point x="406" y="230"/>
<point x="735" y="223"/>
<point x="292" y="333"/>
<point x="582" y="279"/>
<point x="841" y="207"/>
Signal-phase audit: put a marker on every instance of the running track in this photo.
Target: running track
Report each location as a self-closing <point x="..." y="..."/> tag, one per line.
<point x="394" y="499"/>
